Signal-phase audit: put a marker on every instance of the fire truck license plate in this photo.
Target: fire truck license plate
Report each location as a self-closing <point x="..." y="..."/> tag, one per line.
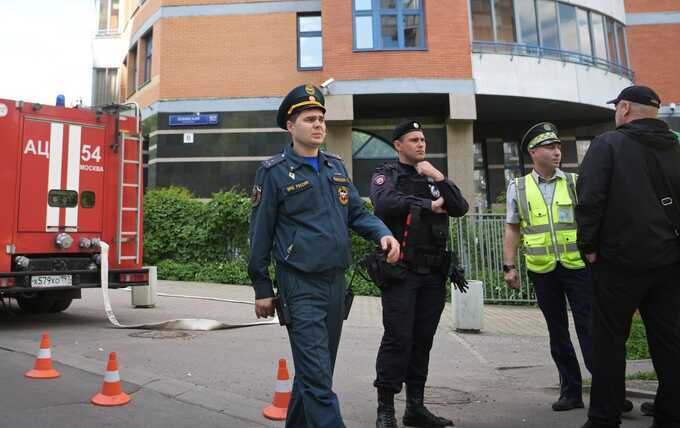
<point x="46" y="281"/>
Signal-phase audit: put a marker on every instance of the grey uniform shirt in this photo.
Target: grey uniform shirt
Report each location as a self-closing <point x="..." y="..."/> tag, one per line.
<point x="547" y="188"/>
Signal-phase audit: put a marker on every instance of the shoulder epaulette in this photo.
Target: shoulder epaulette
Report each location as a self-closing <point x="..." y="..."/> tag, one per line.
<point x="332" y="155"/>
<point x="273" y="160"/>
<point x="390" y="169"/>
<point x="388" y="166"/>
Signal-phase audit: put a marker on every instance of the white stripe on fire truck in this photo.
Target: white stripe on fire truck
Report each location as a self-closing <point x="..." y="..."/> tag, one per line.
<point x="73" y="171"/>
<point x="54" y="174"/>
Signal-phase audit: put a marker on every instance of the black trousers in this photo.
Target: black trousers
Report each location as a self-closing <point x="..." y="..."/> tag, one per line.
<point x="551" y="290"/>
<point x="411" y="312"/>
<point x="617" y="293"/>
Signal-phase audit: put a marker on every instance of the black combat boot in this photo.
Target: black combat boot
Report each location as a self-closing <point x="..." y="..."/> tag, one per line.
<point x="417" y="415"/>
<point x="386" y="417"/>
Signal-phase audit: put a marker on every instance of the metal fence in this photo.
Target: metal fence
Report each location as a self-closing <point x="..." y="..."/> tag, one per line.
<point x="478" y="239"/>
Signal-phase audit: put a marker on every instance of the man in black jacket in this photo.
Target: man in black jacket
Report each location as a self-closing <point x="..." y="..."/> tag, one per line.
<point x="628" y="233"/>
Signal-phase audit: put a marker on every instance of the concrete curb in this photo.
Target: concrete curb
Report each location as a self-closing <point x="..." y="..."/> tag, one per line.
<point x="630" y="392"/>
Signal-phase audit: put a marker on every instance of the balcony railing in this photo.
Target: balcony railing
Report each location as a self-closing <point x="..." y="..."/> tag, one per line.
<point x="508" y="48"/>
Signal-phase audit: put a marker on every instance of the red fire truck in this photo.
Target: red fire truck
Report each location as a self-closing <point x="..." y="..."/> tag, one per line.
<point x="70" y="178"/>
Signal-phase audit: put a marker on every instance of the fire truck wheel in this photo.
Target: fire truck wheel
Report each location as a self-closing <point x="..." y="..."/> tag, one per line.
<point x="38" y="304"/>
<point x="61" y="304"/>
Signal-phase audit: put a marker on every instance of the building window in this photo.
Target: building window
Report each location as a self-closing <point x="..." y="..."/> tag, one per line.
<point x="611" y="41"/>
<point x="568" y="28"/>
<point x="388" y="25"/>
<point x="504" y="18"/>
<point x="108" y="16"/>
<point x="581" y="149"/>
<point x="479" y="177"/>
<point x="512" y="162"/>
<point x="585" y="43"/>
<point x="310" y="47"/>
<point x="549" y="28"/>
<point x="132" y="70"/>
<point x="367" y="146"/>
<point x="599" y="36"/>
<point x="547" y="19"/>
<point x="623" y="45"/>
<point x="148" y="51"/>
<point x="528" y="31"/>
<point x="104" y="86"/>
<point x="482" y="21"/>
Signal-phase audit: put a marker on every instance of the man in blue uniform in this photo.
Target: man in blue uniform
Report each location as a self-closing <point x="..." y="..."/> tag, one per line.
<point x="415" y="201"/>
<point x="303" y="203"/>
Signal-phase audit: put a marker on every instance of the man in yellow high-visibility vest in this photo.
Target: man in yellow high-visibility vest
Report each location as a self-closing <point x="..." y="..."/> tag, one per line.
<point x="540" y="216"/>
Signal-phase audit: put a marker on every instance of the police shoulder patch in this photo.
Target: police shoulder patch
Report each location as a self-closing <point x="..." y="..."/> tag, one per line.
<point x="273" y="160"/>
<point x="379" y="180"/>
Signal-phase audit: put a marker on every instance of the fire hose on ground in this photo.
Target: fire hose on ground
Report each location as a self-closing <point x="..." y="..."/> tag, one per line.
<point x="196" y="324"/>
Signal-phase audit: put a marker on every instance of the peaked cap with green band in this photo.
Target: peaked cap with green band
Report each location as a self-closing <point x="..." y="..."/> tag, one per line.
<point x="541" y="134"/>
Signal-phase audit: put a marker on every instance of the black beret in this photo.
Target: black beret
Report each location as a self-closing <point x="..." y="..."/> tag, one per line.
<point x="541" y="134"/>
<point x="300" y="98"/>
<point x="405" y="128"/>
<point x="638" y="94"/>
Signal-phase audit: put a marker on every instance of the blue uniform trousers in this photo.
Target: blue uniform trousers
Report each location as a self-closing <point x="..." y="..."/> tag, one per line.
<point x="551" y="289"/>
<point x="316" y="303"/>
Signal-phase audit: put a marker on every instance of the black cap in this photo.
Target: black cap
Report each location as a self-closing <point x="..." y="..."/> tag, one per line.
<point x="405" y="128"/>
<point x="300" y="98"/>
<point x="638" y="94"/>
<point x="541" y="134"/>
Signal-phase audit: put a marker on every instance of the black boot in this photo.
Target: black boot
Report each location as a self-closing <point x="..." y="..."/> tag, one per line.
<point x="417" y="415"/>
<point x="386" y="417"/>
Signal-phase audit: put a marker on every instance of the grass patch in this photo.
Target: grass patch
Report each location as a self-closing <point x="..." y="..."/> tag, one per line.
<point x="643" y="376"/>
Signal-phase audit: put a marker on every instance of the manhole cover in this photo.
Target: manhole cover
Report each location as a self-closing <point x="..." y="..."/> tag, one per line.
<point x="443" y="395"/>
<point x="157" y="334"/>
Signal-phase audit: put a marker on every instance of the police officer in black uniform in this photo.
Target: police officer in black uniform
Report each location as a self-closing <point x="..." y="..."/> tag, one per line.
<point x="415" y="201"/>
<point x="303" y="203"/>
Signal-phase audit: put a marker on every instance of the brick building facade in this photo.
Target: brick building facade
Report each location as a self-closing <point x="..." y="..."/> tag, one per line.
<point x="476" y="73"/>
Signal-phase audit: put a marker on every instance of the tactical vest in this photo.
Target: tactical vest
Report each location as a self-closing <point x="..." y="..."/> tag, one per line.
<point x="426" y="233"/>
<point x="548" y="233"/>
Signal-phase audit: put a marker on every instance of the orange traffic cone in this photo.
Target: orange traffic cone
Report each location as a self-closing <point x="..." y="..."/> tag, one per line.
<point x="43" y="364"/>
<point x="279" y="407"/>
<point x="112" y="392"/>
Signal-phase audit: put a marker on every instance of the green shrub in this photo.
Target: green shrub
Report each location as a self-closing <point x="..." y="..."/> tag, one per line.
<point x="190" y="240"/>
<point x="225" y="272"/>
<point x="181" y="228"/>
<point x="636" y="346"/>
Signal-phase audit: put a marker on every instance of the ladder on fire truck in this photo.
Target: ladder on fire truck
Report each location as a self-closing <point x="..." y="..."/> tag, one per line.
<point x="131" y="179"/>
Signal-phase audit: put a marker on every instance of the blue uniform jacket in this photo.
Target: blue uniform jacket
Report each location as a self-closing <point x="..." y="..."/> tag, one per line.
<point x="301" y="217"/>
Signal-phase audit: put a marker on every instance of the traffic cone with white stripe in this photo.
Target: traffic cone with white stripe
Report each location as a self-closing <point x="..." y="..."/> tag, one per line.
<point x="279" y="408"/>
<point x="43" y="364"/>
<point x="112" y="391"/>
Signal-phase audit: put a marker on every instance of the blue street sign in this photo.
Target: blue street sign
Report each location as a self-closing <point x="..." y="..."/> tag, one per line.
<point x="193" y="119"/>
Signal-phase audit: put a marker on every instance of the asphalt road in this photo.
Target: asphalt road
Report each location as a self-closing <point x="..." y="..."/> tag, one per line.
<point x="225" y="378"/>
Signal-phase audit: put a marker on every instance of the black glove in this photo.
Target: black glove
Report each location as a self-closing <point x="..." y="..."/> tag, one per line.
<point x="457" y="274"/>
<point x="458" y="280"/>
